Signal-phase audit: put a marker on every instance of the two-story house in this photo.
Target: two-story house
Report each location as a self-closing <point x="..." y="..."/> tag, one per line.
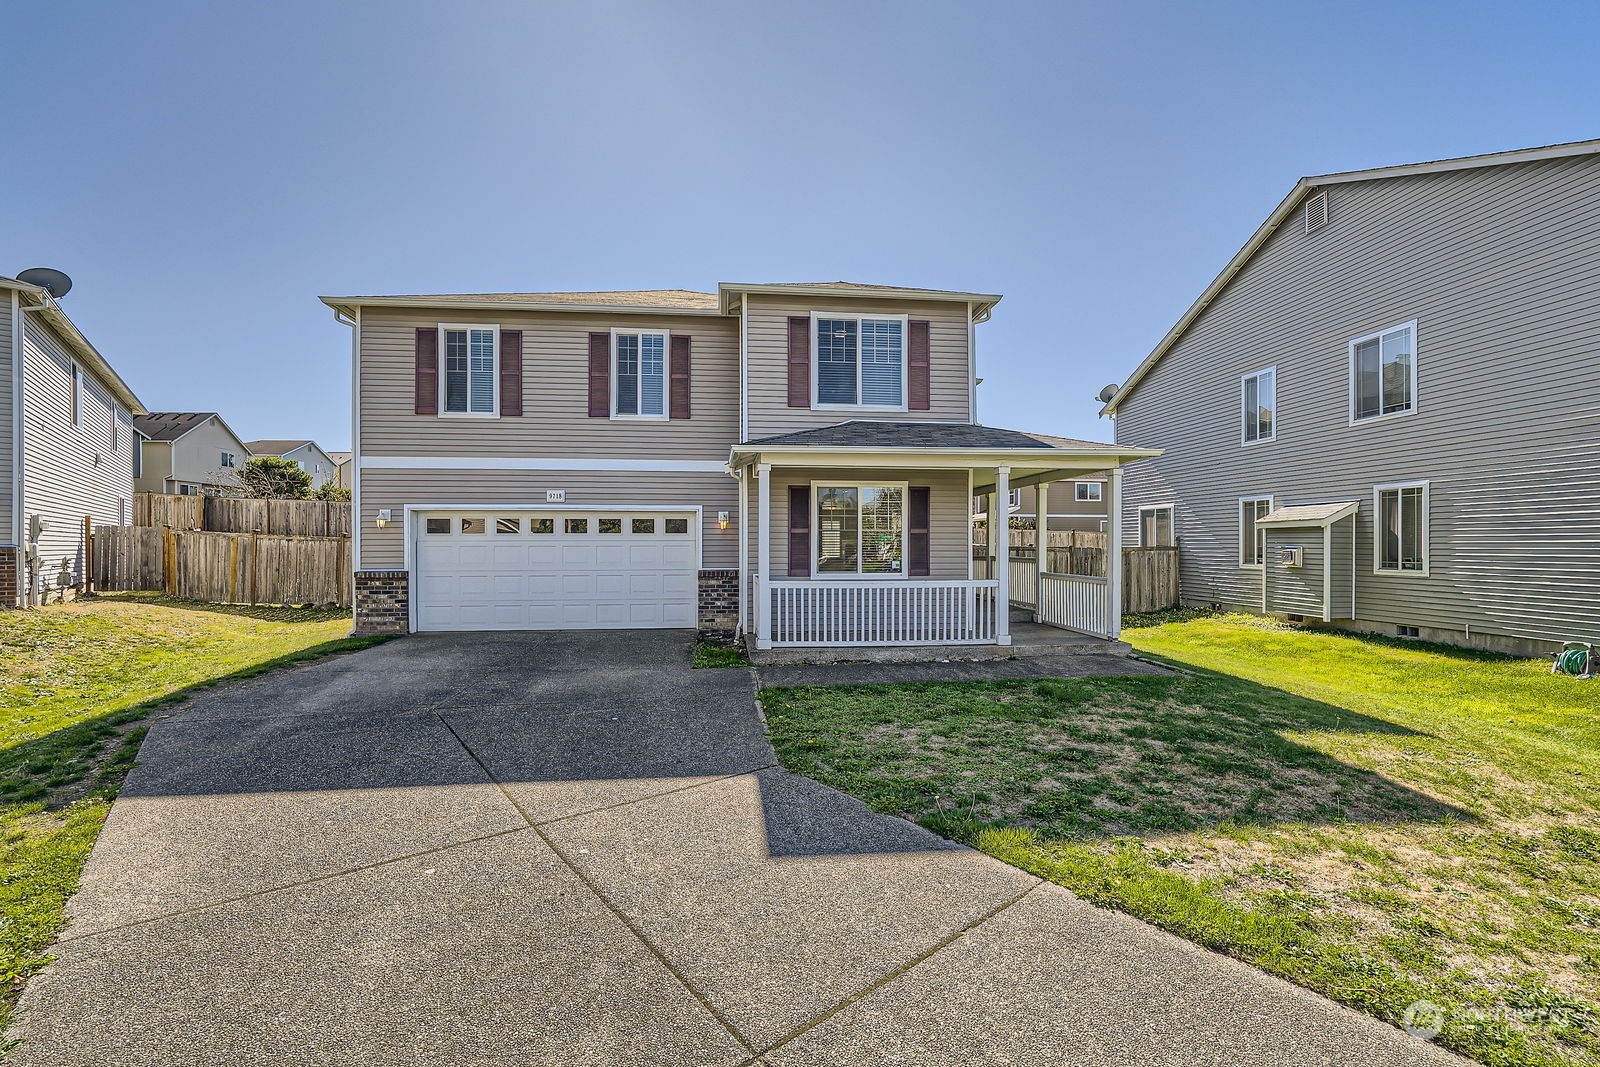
<point x="1078" y="505"/>
<point x="1383" y="413"/>
<point x="308" y="454"/>
<point x="66" y="442"/>
<point x="794" y="462"/>
<point x="186" y="452"/>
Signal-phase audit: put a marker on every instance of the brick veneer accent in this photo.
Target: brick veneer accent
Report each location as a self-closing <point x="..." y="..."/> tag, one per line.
<point x="10" y="576"/>
<point x="719" y="600"/>
<point x="383" y="602"/>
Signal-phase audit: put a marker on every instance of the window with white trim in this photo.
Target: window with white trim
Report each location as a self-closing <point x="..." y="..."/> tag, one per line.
<point x="1253" y="539"/>
<point x="639" y="374"/>
<point x="1258" y="405"/>
<point x="77" y="396"/>
<point x="1402" y="528"/>
<point x="470" y="381"/>
<point x="860" y="530"/>
<point x="859" y="361"/>
<point x="1014" y="499"/>
<point x="1383" y="373"/>
<point x="227" y="459"/>
<point x="1087" y="492"/>
<point x="1155" y="526"/>
<point x="116" y="430"/>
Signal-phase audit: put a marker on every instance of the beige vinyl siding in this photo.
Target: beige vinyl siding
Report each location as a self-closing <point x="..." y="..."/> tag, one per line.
<point x="8" y="466"/>
<point x="394" y="489"/>
<point x="1295" y="590"/>
<point x="70" y="471"/>
<point x="555" y="390"/>
<point x="155" y="468"/>
<point x="1500" y="268"/>
<point x="950" y="365"/>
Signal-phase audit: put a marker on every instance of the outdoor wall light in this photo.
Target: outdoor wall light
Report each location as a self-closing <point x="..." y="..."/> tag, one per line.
<point x="382" y="518"/>
<point x="722" y="520"/>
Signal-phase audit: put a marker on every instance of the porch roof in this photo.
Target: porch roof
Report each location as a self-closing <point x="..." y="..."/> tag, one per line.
<point x="1033" y="457"/>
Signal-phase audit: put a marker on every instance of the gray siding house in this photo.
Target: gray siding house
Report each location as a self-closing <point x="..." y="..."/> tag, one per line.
<point x="1384" y="413"/>
<point x="1079" y="505"/>
<point x="186" y="452"/>
<point x="308" y="454"/>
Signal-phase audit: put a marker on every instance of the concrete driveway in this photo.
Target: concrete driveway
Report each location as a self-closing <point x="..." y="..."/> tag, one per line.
<point x="572" y="849"/>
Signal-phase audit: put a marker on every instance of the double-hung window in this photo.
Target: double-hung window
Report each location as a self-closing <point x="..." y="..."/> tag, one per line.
<point x="860" y="361"/>
<point x="1087" y="492"/>
<point x="860" y="530"/>
<point x="640" y="389"/>
<point x="1402" y="528"/>
<point x="1155" y="526"/>
<point x="471" y="383"/>
<point x="1383" y="373"/>
<point x="1253" y="539"/>
<point x="1258" y="402"/>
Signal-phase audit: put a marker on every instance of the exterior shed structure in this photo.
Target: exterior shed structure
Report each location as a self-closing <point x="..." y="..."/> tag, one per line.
<point x="1309" y="563"/>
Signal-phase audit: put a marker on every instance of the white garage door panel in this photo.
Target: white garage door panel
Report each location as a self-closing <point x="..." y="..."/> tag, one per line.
<point x="493" y="579"/>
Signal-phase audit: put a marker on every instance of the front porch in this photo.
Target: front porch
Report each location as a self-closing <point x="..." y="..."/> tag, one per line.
<point x="873" y="560"/>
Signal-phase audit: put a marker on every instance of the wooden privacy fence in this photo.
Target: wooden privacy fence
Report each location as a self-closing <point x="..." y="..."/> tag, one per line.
<point x="1149" y="575"/>
<point x="223" y="568"/>
<point x="224" y="514"/>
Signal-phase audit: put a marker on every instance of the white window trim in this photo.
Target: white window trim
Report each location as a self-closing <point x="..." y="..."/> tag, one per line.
<point x="1098" y="496"/>
<point x="1014" y="498"/>
<point x="905" y="531"/>
<point x="1416" y="359"/>
<point x="1173" y="522"/>
<point x="905" y="361"/>
<point x="1243" y="414"/>
<point x="1377" y="529"/>
<point x="666" y="375"/>
<point x="77" y="396"/>
<point x="444" y="377"/>
<point x="1238" y="514"/>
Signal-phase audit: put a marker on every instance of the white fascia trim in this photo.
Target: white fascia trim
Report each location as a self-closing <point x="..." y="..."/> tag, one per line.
<point x="520" y="463"/>
<point x="347" y="305"/>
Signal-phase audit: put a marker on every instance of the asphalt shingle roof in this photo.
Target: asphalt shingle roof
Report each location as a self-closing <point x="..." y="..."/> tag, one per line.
<point x="864" y="433"/>
<point x="169" y="425"/>
<point x="273" y="448"/>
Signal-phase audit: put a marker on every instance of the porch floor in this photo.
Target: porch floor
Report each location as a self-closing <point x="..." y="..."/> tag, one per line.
<point x="1028" y="639"/>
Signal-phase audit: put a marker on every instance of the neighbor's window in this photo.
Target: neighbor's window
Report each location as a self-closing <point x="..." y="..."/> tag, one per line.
<point x="116" y="430"/>
<point x="860" y="362"/>
<point x="1383" y="373"/>
<point x="1087" y="491"/>
<point x="227" y="459"/>
<point x="1259" y="405"/>
<point x="860" y="529"/>
<point x="641" y="374"/>
<point x="1402" y="527"/>
<point x="1252" y="539"/>
<point x="1014" y="498"/>
<point x="77" y="397"/>
<point x="1155" y="527"/>
<point x="470" y="386"/>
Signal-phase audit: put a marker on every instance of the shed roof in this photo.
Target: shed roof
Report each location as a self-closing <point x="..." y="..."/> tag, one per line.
<point x="1309" y="514"/>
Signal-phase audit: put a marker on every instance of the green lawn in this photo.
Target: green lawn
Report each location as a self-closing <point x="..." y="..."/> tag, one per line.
<point x="75" y="682"/>
<point x="1382" y="821"/>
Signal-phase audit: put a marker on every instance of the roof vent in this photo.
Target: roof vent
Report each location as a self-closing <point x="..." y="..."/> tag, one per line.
<point x="1317" y="212"/>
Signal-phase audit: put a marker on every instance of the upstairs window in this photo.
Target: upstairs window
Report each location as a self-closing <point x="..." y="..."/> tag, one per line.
<point x="1383" y="373"/>
<point x="1402" y="528"/>
<point x="1014" y="499"/>
<point x="1253" y="539"/>
<point x="227" y="459"/>
<point x="77" y="397"/>
<point x="1259" y="403"/>
<point x="1087" y="492"/>
<point x="640" y="375"/>
<point x="470" y="382"/>
<point x="860" y="361"/>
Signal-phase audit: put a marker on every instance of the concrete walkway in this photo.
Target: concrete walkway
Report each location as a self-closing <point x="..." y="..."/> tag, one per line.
<point x="572" y="849"/>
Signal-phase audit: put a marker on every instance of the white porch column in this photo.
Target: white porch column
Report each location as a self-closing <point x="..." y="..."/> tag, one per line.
<point x="1041" y="538"/>
<point x="763" y="555"/>
<point x="999" y="521"/>
<point x="744" y="550"/>
<point x="1113" y="626"/>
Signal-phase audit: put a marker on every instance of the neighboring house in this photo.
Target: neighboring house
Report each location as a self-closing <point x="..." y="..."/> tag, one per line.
<point x="1076" y="505"/>
<point x="66" y="443"/>
<point x="313" y="460"/>
<point x="792" y="461"/>
<point x="343" y="469"/>
<point x="186" y="452"/>
<point x="1382" y="413"/>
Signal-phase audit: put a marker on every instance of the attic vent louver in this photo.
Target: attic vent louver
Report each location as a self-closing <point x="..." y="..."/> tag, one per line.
<point x="1317" y="212"/>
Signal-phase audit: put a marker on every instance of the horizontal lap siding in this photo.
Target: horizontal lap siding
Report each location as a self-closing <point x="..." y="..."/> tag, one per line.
<point x="950" y="368"/>
<point x="8" y="470"/>
<point x="1501" y="269"/>
<point x="1295" y="590"/>
<point x="394" y="489"/>
<point x="555" y="366"/>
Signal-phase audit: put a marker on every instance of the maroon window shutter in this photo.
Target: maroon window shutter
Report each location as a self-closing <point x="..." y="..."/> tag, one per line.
<point x="919" y="553"/>
<point x="800" y="362"/>
<point x="918" y="389"/>
<point x="511" y="372"/>
<point x="800" y="529"/>
<point x="599" y="375"/>
<point x="679" y="393"/>
<point x="427" y="402"/>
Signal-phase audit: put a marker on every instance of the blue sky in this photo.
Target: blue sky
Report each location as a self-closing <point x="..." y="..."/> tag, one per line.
<point x="204" y="170"/>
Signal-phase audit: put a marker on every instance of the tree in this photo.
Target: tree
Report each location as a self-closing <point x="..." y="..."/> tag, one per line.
<point x="274" y="478"/>
<point x="329" y="491"/>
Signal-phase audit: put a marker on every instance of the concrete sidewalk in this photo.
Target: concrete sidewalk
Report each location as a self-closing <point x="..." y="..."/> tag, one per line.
<point x="572" y="849"/>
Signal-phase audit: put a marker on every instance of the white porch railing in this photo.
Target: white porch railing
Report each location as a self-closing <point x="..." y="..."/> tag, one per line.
<point x="1078" y="602"/>
<point x="1024" y="578"/>
<point x="883" y="612"/>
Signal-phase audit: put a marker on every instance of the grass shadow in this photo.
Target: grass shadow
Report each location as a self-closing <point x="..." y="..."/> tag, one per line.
<point x="260" y="612"/>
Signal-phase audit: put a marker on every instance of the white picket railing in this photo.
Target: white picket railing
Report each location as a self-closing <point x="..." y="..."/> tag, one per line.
<point x="883" y="612"/>
<point x="1024" y="580"/>
<point x="1078" y="602"/>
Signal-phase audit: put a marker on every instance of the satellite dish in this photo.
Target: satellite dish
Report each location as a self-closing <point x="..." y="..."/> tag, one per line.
<point x="1105" y="395"/>
<point x="47" y="278"/>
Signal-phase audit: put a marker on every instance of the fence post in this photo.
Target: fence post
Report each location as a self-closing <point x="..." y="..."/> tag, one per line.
<point x="88" y="554"/>
<point x="253" y="554"/>
<point x="169" y="560"/>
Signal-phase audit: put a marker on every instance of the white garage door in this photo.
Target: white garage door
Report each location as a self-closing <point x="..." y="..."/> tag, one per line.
<point x="549" y="570"/>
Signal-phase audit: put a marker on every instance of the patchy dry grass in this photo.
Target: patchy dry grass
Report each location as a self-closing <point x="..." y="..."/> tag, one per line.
<point x="1381" y="821"/>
